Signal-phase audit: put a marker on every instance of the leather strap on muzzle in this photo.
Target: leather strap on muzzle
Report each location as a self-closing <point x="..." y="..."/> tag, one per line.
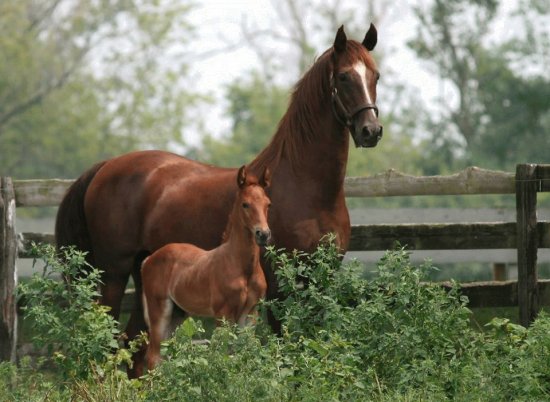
<point x="346" y="118"/>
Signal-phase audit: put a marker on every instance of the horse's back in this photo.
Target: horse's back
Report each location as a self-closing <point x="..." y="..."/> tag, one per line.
<point x="143" y="200"/>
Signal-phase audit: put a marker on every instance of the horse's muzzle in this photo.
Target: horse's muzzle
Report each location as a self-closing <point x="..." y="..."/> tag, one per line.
<point x="368" y="135"/>
<point x="262" y="237"/>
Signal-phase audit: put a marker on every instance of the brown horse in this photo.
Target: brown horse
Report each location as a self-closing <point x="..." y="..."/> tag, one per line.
<point x="226" y="282"/>
<point x="123" y="209"/>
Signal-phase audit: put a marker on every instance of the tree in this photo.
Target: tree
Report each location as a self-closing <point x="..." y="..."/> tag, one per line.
<point x="515" y="125"/>
<point x="255" y="108"/>
<point x="501" y="116"/>
<point x="303" y="28"/>
<point x="83" y="80"/>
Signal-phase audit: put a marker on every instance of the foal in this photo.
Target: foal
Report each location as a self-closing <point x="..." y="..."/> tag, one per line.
<point x="225" y="282"/>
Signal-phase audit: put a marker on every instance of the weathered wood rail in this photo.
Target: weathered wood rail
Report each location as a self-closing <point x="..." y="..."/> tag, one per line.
<point x="525" y="234"/>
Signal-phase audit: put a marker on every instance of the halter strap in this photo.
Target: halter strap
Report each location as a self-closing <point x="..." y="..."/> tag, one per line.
<point x="347" y="117"/>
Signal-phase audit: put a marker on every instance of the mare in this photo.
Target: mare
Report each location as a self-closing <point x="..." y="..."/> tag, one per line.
<point x="125" y="208"/>
<point x="226" y="282"/>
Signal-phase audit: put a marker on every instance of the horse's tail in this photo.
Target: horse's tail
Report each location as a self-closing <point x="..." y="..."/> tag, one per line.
<point x="71" y="228"/>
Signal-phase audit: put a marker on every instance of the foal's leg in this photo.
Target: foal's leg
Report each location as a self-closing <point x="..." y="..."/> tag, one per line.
<point x="236" y="309"/>
<point x="249" y="312"/>
<point x="159" y="313"/>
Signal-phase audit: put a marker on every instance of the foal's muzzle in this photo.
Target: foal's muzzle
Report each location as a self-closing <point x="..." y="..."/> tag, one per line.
<point x="262" y="236"/>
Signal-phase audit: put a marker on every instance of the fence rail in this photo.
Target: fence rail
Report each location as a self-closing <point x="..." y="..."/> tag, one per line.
<point x="525" y="234"/>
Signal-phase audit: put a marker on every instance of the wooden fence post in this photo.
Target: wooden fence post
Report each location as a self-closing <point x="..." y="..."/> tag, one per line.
<point x="527" y="242"/>
<point x="8" y="273"/>
<point x="500" y="273"/>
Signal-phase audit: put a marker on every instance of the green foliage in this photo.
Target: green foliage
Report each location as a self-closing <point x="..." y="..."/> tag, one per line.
<point x="391" y="333"/>
<point x="83" y="81"/>
<point x="66" y="317"/>
<point x="522" y="371"/>
<point x="513" y="104"/>
<point x="27" y="383"/>
<point x="344" y="338"/>
<point x="317" y="292"/>
<point x="391" y="338"/>
<point x="501" y="117"/>
<point x="232" y="366"/>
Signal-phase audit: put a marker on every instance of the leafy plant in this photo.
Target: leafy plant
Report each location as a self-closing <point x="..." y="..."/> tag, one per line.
<point x="66" y="316"/>
<point x="391" y="338"/>
<point x="232" y="366"/>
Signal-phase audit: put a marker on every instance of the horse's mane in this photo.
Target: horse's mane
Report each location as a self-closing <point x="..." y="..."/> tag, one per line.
<point x="300" y="124"/>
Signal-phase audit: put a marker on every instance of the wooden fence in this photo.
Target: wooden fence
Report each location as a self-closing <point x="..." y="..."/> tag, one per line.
<point x="525" y="234"/>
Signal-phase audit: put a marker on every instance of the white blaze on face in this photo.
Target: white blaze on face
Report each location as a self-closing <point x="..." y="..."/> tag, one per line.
<point x="361" y="69"/>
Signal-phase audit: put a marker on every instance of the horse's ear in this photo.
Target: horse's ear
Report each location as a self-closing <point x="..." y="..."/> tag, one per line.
<point x="265" y="181"/>
<point x="370" y="38"/>
<point x="241" y="176"/>
<point x="340" y="40"/>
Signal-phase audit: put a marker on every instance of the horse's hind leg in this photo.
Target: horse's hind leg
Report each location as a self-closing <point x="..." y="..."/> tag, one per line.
<point x="136" y="323"/>
<point x="112" y="292"/>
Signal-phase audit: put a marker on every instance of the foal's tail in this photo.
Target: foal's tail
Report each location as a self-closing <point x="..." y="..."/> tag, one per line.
<point x="70" y="223"/>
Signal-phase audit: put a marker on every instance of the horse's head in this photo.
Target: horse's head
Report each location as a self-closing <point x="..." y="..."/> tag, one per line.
<point x="354" y="78"/>
<point x="254" y="204"/>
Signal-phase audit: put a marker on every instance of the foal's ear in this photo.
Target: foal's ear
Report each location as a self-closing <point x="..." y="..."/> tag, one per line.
<point x="340" y="40"/>
<point x="241" y="177"/>
<point x="265" y="180"/>
<point x="370" y="38"/>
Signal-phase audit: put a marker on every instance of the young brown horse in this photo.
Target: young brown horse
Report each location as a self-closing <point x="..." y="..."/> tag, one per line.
<point x="225" y="282"/>
<point x="123" y="209"/>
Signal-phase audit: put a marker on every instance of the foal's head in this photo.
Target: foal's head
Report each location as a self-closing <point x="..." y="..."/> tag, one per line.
<point x="252" y="204"/>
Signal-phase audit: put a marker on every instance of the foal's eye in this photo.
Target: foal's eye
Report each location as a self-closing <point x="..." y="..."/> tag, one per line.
<point x="246" y="205"/>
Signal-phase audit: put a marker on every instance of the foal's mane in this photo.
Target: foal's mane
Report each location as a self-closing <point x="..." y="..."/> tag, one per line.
<point x="309" y="99"/>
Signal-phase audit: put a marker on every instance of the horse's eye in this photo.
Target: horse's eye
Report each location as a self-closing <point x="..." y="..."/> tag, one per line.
<point x="246" y="205"/>
<point x="343" y="76"/>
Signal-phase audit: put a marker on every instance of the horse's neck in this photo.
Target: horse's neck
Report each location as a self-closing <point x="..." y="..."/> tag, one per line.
<point x="318" y="157"/>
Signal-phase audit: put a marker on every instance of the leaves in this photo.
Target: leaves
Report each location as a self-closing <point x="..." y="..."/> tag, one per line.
<point x="393" y="337"/>
<point x="81" y="81"/>
<point x="498" y="80"/>
<point x="65" y="314"/>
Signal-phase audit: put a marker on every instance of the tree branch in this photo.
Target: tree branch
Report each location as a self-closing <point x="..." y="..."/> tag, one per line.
<point x="47" y="12"/>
